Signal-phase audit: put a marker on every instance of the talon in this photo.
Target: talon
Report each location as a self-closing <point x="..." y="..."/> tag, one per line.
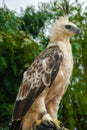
<point x="47" y="124"/>
<point x="57" y="124"/>
<point x="36" y="124"/>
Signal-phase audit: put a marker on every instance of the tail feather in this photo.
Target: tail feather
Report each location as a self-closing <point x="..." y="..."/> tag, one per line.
<point x="15" y="125"/>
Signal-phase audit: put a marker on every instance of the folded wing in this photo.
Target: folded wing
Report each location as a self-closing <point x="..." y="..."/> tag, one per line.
<point x="39" y="75"/>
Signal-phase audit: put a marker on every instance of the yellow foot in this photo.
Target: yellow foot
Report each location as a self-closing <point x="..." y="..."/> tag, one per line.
<point x="48" y="125"/>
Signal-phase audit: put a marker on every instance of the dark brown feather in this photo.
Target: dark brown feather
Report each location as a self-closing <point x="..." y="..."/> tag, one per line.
<point x="65" y="7"/>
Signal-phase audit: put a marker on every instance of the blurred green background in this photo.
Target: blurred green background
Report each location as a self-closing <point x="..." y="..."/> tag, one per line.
<point x="22" y="38"/>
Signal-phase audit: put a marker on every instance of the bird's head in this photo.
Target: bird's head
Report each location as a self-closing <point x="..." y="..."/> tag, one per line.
<point x="63" y="28"/>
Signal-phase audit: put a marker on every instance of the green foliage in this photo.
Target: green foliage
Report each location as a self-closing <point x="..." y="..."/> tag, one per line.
<point x="9" y="20"/>
<point x="35" y="20"/>
<point x="18" y="50"/>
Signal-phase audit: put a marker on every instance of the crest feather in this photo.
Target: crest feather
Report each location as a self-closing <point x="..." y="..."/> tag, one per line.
<point x="65" y="7"/>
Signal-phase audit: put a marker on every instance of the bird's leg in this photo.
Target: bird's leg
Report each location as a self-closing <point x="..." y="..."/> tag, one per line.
<point x="52" y="108"/>
<point x="46" y="122"/>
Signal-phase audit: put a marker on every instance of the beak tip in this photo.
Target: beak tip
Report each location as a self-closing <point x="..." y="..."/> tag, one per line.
<point x="78" y="31"/>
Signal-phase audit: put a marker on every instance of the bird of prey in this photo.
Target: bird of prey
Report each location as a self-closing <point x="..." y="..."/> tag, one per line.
<point x="46" y="80"/>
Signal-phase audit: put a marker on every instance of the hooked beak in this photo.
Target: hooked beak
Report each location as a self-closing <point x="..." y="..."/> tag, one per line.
<point x="76" y="30"/>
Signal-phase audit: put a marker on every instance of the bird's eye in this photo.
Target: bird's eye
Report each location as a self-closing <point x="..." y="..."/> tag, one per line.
<point x="68" y="26"/>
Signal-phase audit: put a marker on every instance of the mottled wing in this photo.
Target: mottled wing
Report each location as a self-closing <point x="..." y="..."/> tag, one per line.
<point x="39" y="75"/>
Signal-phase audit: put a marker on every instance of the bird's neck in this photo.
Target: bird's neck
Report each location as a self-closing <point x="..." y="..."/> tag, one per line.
<point x="64" y="40"/>
<point x="59" y="36"/>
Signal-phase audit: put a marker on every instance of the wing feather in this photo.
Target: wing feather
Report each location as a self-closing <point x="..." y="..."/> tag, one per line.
<point x="39" y="75"/>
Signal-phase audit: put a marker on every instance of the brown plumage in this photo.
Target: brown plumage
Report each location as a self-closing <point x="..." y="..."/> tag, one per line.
<point x="46" y="80"/>
<point x="36" y="79"/>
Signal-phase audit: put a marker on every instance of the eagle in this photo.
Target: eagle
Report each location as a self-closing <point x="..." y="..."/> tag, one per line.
<point x="46" y="80"/>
